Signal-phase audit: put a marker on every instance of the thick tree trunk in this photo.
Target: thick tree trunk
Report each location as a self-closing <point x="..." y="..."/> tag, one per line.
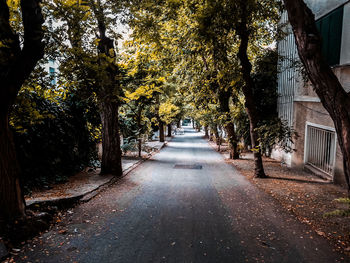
<point x="108" y="88"/>
<point x="216" y="133"/>
<point x="111" y="152"/>
<point x="178" y="124"/>
<point x="219" y="141"/>
<point x="169" y="130"/>
<point x="17" y="61"/>
<point x="139" y="115"/>
<point x="11" y="200"/>
<point x="140" y="147"/>
<point x="206" y="132"/>
<point x="328" y="88"/>
<point x="224" y="98"/>
<point x="232" y="140"/>
<point x="250" y="105"/>
<point x="161" y="131"/>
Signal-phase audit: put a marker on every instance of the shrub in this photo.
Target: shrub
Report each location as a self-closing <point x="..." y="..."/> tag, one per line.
<point x="51" y="136"/>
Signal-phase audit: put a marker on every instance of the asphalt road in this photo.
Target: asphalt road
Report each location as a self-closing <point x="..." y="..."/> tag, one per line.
<point x="184" y="205"/>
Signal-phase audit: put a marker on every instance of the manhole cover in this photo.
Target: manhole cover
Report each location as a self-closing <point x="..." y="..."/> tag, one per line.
<point x="187" y="166"/>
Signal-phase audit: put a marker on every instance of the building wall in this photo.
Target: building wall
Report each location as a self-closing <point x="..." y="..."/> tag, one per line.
<point x="322" y="7"/>
<point x="345" y="51"/>
<point x="298" y="103"/>
<point x="313" y="112"/>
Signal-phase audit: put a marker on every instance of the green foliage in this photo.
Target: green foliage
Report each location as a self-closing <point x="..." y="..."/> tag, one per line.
<point x="265" y="88"/>
<point x="271" y="129"/>
<point x="51" y="136"/>
<point x="340" y="212"/>
<point x="129" y="146"/>
<point x="274" y="131"/>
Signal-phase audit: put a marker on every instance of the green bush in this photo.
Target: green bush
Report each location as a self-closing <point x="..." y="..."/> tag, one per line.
<point x="52" y="137"/>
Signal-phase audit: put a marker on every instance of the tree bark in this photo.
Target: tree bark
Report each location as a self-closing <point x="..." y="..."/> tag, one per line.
<point x="216" y="133"/>
<point x="232" y="140"/>
<point x="161" y="131"/>
<point x="178" y="124"/>
<point x="169" y="130"/>
<point x="111" y="152"/>
<point x="16" y="64"/>
<point x="11" y="199"/>
<point x="224" y="98"/>
<point x="206" y="132"/>
<point x="108" y="101"/>
<point x="327" y="86"/>
<point x="139" y="115"/>
<point x="247" y="88"/>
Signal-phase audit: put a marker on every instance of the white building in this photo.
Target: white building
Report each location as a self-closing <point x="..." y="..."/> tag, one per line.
<point x="316" y="148"/>
<point x="52" y="69"/>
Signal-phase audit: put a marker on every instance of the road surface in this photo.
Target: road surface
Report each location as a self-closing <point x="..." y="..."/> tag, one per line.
<point x="184" y="205"/>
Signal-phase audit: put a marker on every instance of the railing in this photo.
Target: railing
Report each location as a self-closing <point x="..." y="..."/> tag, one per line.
<point x="320" y="148"/>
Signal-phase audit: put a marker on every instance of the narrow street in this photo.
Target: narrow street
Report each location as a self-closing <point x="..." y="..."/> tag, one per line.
<point x="183" y="205"/>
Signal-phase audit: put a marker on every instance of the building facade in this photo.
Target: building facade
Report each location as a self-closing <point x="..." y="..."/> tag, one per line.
<point x="316" y="147"/>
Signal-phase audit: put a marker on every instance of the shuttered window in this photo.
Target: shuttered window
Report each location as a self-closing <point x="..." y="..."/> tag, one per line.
<point x="330" y="28"/>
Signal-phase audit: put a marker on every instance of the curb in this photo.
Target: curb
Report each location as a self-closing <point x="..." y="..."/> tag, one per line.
<point x="88" y="196"/>
<point x="66" y="202"/>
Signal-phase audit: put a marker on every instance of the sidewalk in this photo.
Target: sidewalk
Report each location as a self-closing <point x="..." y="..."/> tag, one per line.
<point x="305" y="195"/>
<point x="86" y="184"/>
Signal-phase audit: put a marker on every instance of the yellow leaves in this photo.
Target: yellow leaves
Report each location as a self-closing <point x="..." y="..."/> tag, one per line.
<point x="161" y="80"/>
<point x="168" y="111"/>
<point x="13" y="4"/>
<point x="96" y="41"/>
<point x="145" y="91"/>
<point x="81" y="3"/>
<point x="111" y="53"/>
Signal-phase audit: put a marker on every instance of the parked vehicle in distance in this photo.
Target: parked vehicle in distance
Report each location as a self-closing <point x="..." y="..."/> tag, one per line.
<point x="179" y="131"/>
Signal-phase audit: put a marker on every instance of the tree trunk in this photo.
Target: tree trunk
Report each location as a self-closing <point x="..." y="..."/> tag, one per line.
<point x="178" y="124"/>
<point x="17" y="60"/>
<point x="206" y="132"/>
<point x="11" y="200"/>
<point x="108" y="88"/>
<point x="328" y="88"/>
<point x="111" y="152"/>
<point x="219" y="141"/>
<point x="140" y="147"/>
<point x="210" y="135"/>
<point x="250" y="105"/>
<point x="216" y="133"/>
<point x="139" y="115"/>
<point x="161" y="131"/>
<point x="232" y="140"/>
<point x="169" y="130"/>
<point x="224" y="99"/>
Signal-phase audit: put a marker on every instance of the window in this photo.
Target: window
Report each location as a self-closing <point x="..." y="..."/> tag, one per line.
<point x="320" y="147"/>
<point x="52" y="75"/>
<point x="330" y="28"/>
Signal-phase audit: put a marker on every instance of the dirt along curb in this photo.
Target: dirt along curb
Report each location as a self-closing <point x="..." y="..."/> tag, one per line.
<point x="88" y="196"/>
<point x="48" y="211"/>
<point x="308" y="197"/>
<point x="85" y="196"/>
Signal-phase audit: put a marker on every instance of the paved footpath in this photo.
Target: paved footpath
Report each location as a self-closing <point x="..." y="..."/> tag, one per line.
<point x="183" y="205"/>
